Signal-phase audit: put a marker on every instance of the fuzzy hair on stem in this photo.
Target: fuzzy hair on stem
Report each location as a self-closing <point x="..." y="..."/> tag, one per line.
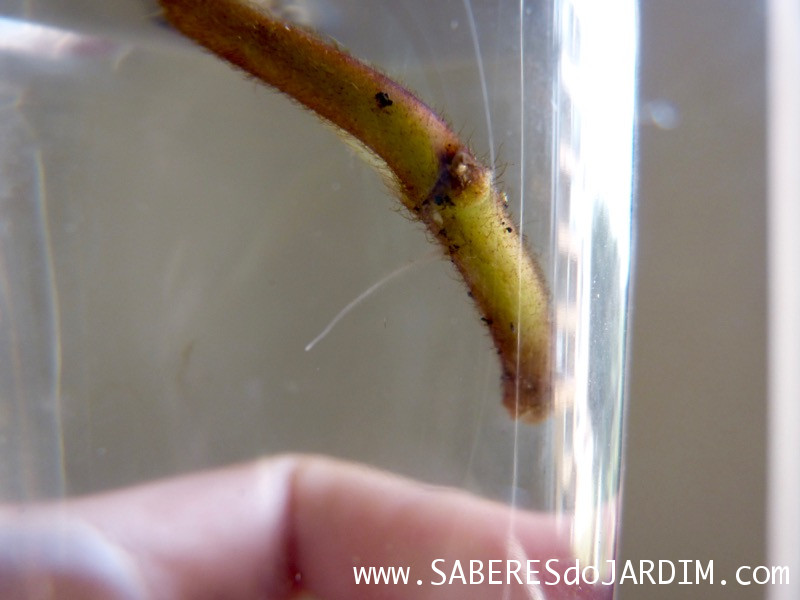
<point x="439" y="180"/>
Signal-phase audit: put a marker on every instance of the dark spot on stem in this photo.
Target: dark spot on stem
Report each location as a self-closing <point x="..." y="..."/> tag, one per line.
<point x="383" y="100"/>
<point x="443" y="200"/>
<point x="487" y="320"/>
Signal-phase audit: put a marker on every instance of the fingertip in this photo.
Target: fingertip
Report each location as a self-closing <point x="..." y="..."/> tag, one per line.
<point x="347" y="519"/>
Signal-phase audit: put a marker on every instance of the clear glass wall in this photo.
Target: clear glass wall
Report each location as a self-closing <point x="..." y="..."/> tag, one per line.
<point x="177" y="239"/>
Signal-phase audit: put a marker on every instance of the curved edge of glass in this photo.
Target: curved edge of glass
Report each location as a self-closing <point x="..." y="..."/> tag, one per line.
<point x="592" y="237"/>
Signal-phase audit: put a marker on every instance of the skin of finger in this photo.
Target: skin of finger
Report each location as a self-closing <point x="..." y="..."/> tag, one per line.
<point x="65" y="559"/>
<point x="275" y="527"/>
<point x="220" y="534"/>
<point x="349" y="517"/>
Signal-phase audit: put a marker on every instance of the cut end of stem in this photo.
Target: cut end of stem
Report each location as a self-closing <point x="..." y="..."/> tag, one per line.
<point x="527" y="399"/>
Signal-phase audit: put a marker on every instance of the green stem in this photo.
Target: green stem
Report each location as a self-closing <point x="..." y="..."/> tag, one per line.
<point x="439" y="179"/>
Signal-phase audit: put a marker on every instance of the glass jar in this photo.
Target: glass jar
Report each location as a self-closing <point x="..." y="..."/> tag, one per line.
<point x="194" y="272"/>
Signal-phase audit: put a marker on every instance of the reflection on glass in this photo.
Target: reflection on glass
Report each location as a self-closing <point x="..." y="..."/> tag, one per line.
<point x="593" y="212"/>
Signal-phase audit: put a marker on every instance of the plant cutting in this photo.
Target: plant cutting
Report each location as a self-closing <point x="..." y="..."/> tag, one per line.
<point x="436" y="175"/>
